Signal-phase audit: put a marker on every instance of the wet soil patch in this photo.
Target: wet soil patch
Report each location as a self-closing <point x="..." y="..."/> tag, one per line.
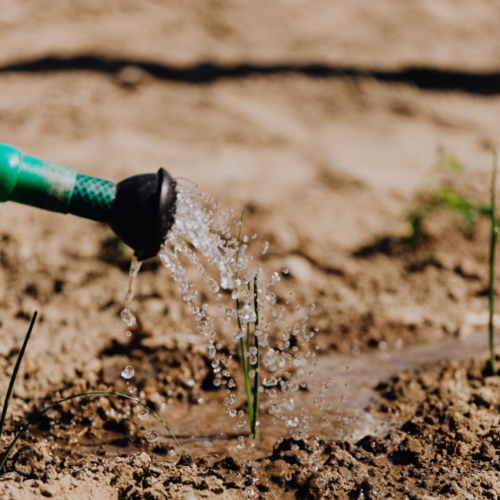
<point x="447" y="444"/>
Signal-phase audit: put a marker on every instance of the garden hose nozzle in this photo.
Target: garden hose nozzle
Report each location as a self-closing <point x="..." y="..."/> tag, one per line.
<point x="139" y="209"/>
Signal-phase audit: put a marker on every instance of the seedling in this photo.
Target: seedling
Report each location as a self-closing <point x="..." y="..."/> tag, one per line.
<point x="493" y="244"/>
<point x="249" y="358"/>
<point x="448" y="161"/>
<point x="36" y="417"/>
<point x="469" y="209"/>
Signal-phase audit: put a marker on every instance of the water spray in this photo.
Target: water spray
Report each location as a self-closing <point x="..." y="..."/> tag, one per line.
<point x="139" y="209"/>
<point x="157" y="216"/>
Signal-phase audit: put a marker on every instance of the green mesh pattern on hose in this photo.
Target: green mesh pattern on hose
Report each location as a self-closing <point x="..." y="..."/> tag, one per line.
<point x="92" y="198"/>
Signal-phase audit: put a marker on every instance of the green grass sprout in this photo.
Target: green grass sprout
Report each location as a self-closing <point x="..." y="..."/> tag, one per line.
<point x="244" y="361"/>
<point x="493" y="244"/>
<point x="448" y="161"/>
<point x="252" y="404"/>
<point x="256" y="381"/>
<point x="469" y="209"/>
<point x="14" y="373"/>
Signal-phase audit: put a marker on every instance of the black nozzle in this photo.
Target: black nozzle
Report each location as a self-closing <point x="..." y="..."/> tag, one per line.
<point x="143" y="211"/>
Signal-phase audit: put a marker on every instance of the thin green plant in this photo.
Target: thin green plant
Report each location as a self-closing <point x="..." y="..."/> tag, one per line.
<point x="14" y="373"/>
<point x="252" y="392"/>
<point x="442" y="196"/>
<point x="53" y="405"/>
<point x="493" y="244"/>
<point x="470" y="210"/>
<point x="256" y="382"/>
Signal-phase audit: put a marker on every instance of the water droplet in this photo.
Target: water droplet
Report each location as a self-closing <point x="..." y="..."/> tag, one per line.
<point x="247" y="314"/>
<point x="128" y="333"/>
<point x="292" y="421"/>
<point x="288" y="404"/>
<point x="151" y="435"/>
<point x="143" y="413"/>
<point x="270" y="382"/>
<point x="241" y="443"/>
<point x="272" y="393"/>
<point x="285" y="270"/>
<point x="128" y="372"/>
<point x="127" y="317"/>
<point x="239" y="334"/>
<point x="226" y="283"/>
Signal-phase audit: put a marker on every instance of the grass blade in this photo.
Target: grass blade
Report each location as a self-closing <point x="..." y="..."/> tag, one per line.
<point x="256" y="381"/>
<point x="14" y="373"/>
<point x="244" y="361"/>
<point x="493" y="243"/>
<point x="73" y="396"/>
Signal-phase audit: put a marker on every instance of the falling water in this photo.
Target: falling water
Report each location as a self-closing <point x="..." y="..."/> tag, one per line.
<point x="202" y="233"/>
<point x="127" y="316"/>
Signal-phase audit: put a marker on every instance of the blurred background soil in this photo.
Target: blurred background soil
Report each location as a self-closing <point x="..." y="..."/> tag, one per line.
<point x="321" y="119"/>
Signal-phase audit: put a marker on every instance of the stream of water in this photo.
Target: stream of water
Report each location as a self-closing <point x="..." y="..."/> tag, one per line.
<point x="255" y="317"/>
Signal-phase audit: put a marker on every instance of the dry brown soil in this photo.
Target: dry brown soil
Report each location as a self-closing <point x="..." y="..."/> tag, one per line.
<point x="326" y="164"/>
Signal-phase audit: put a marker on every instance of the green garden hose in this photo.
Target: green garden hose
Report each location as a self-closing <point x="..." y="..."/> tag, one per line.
<point x="139" y="209"/>
<point x="43" y="184"/>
